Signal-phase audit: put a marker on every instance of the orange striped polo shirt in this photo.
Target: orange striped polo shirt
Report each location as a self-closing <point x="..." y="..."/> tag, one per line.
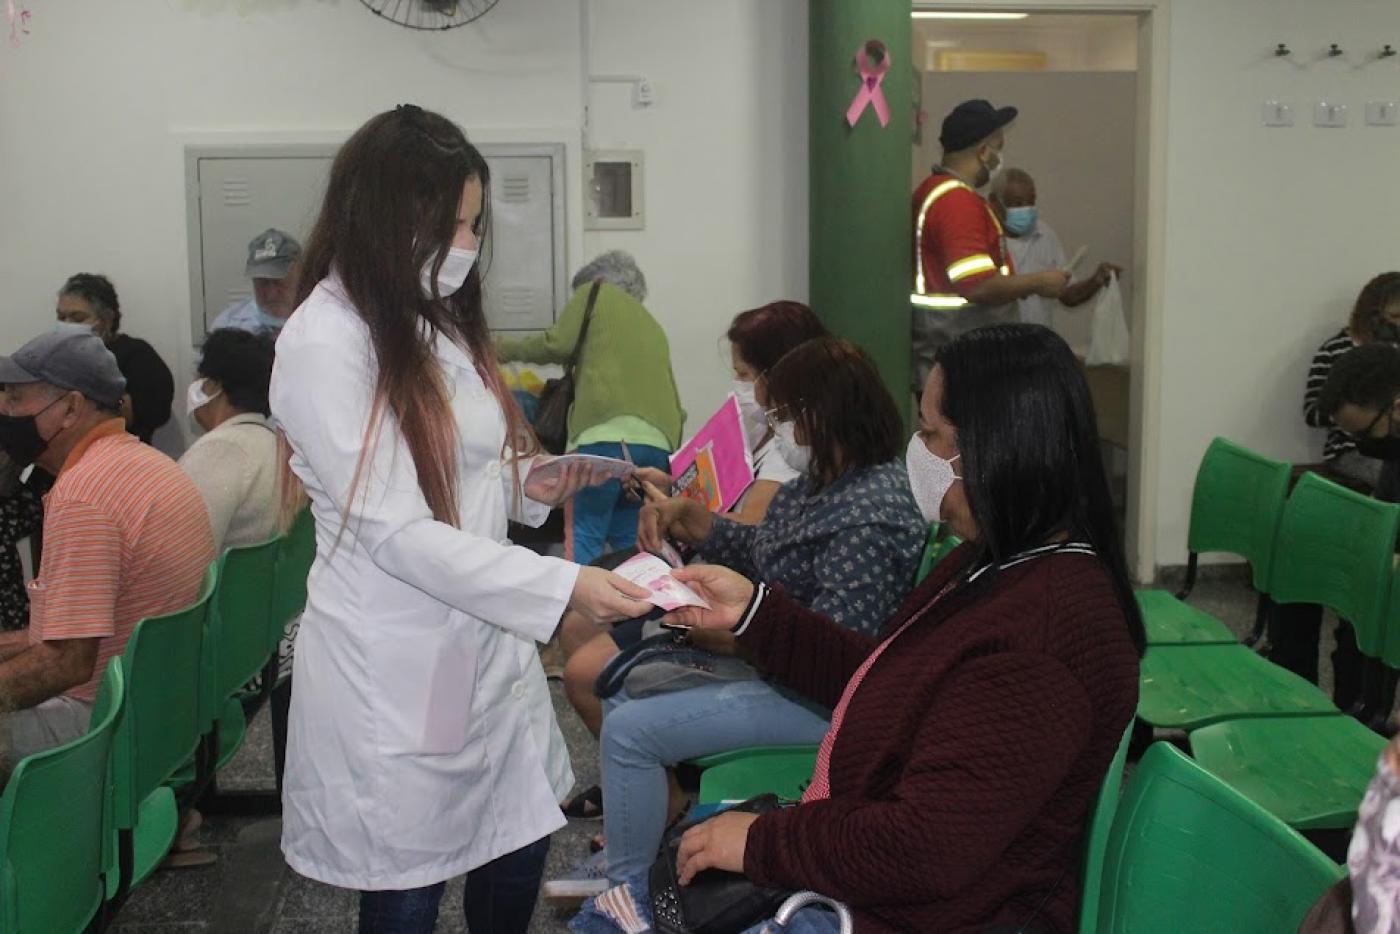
<point x="126" y="536"/>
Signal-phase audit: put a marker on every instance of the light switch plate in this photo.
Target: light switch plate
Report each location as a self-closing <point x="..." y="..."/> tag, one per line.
<point x="1328" y="114"/>
<point x="1278" y="113"/>
<point x="1382" y="113"/>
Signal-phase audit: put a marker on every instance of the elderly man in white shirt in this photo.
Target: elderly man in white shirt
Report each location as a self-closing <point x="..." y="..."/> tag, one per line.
<point x="271" y="255"/>
<point x="1034" y="247"/>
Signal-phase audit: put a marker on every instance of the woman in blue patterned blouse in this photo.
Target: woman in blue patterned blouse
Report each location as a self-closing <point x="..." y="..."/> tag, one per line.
<point x="845" y="536"/>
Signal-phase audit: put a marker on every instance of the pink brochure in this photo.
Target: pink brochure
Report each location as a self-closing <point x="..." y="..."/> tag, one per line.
<point x="715" y="467"/>
<point x="649" y="571"/>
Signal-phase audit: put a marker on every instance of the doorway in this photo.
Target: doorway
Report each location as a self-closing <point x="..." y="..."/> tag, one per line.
<point x="1082" y="84"/>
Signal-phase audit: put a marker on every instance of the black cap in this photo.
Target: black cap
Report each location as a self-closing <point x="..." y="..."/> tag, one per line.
<point x="971" y="122"/>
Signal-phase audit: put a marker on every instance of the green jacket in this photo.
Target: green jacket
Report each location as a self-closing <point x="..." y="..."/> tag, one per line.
<point x="625" y="368"/>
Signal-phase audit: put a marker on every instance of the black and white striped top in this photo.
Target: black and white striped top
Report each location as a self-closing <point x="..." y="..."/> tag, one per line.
<point x="1338" y="441"/>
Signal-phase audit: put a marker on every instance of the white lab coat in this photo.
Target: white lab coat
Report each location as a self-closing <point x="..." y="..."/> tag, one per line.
<point x="422" y="741"/>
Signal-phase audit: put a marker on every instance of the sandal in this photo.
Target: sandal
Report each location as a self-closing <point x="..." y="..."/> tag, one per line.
<point x="586" y="805"/>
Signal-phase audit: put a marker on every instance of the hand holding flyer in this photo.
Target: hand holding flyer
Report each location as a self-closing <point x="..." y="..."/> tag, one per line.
<point x="647" y="570"/>
<point x="601" y="469"/>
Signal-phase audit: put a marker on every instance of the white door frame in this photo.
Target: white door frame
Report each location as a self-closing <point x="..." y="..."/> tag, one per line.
<point x="1149" y="253"/>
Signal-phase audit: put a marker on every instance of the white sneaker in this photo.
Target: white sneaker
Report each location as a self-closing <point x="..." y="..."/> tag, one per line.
<point x="589" y="879"/>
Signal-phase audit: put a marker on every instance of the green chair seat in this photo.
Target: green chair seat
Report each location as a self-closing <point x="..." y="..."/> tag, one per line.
<point x="1189" y="853"/>
<point x="1170" y="621"/>
<point x="741" y="774"/>
<point x="1309" y="772"/>
<point x="1190" y="686"/>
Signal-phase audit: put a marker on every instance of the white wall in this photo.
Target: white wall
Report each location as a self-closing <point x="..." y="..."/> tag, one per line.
<point x="1270" y="232"/>
<point x="98" y="102"/>
<point x="726" y="165"/>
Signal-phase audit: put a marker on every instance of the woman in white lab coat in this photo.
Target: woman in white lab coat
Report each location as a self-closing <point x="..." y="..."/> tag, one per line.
<point x="422" y="742"/>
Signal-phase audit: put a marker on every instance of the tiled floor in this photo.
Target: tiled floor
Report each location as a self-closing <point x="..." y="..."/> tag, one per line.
<point x="251" y="891"/>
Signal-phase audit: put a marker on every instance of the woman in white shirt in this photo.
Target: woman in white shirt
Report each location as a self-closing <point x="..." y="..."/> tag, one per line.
<point x="422" y="742"/>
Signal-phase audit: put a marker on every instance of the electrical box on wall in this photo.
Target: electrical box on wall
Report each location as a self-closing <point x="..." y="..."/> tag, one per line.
<point x="612" y="182"/>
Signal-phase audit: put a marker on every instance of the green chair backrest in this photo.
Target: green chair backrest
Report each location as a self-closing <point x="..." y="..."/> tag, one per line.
<point x="53" y="819"/>
<point x="1336" y="547"/>
<point x="935" y="550"/>
<point x="240" y="621"/>
<point x="1189" y="853"/>
<point x="1390" y="649"/>
<point x="1096" y="835"/>
<point x="163" y="665"/>
<point x="1236" y="505"/>
<point x="294" y="560"/>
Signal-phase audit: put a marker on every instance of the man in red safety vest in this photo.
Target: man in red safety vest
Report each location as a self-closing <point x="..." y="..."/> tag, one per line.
<point x="963" y="277"/>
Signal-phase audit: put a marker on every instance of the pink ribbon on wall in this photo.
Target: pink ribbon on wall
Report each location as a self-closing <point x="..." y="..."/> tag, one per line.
<point x="18" y="19"/>
<point x="871" y="77"/>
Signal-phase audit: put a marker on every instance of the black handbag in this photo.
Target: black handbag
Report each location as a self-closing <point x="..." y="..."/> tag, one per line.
<point x="557" y="397"/>
<point x="715" y="902"/>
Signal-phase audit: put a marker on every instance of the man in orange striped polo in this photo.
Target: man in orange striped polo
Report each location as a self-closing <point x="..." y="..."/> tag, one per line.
<point x="126" y="534"/>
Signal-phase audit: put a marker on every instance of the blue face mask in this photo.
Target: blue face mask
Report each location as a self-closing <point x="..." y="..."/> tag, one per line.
<point x="1020" y="221"/>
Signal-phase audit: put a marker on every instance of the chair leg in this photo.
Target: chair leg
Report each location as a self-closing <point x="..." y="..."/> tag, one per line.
<point x="1262" y="608"/>
<point x="1190" y="583"/>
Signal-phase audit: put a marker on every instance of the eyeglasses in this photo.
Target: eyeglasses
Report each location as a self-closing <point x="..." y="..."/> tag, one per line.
<point x="779" y="416"/>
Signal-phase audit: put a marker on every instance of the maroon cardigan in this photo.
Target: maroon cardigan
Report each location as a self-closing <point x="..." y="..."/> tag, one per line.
<point x="968" y="761"/>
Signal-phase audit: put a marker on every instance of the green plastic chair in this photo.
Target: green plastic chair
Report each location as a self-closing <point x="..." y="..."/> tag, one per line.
<point x="53" y="820"/>
<point x="731" y="777"/>
<point x="1096" y="836"/>
<point x="940" y="544"/>
<point x="157" y="733"/>
<point x="1235" y="509"/>
<point x="239" y="643"/>
<point x="1186" y="687"/>
<point x="1335" y="549"/>
<point x="1189" y="853"/>
<point x="294" y="559"/>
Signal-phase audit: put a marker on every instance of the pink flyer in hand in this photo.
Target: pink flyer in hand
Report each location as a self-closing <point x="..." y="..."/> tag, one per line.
<point x="715" y="467"/>
<point x="649" y="571"/>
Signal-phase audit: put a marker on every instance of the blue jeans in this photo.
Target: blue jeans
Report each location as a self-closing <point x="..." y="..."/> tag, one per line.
<point x="642" y="737"/>
<point x="603" y="516"/>
<point x="499" y="899"/>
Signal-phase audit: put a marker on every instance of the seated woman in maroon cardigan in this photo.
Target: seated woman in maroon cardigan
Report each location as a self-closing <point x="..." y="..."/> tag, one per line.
<point x="969" y="739"/>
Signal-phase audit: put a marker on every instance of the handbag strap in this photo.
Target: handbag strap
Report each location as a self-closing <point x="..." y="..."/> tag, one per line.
<point x="577" y="354"/>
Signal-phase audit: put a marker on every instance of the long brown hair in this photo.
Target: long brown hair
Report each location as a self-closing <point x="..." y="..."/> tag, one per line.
<point x="390" y="210"/>
<point x="1367" y="321"/>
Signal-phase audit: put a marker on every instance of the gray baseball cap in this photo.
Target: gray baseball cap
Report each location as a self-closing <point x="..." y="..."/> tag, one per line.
<point x="271" y="254"/>
<point x="72" y="357"/>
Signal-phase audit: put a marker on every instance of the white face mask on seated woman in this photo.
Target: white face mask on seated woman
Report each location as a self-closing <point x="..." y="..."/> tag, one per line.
<point x="797" y="456"/>
<point x="930" y="478"/>
<point x="750" y="411"/>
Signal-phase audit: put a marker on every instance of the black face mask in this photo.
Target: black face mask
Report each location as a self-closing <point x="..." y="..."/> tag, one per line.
<point x="1382" y="449"/>
<point x="20" y="438"/>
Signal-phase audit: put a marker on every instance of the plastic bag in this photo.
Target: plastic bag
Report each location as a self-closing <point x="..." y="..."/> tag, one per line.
<point x="1108" y="339"/>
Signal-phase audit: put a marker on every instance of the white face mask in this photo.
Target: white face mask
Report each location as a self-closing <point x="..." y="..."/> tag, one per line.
<point x="751" y="412"/>
<point x="455" y="269"/>
<point x="930" y="478"/>
<point x="797" y="456"/>
<point x="196" y="397"/>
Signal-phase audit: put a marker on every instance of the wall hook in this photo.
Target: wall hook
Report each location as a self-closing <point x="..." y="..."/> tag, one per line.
<point x="1388" y="51"/>
<point x="1334" y="50"/>
<point x="1281" y="50"/>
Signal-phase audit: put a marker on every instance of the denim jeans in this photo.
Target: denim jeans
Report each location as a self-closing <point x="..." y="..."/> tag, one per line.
<point x="642" y="737"/>
<point x="499" y="899"/>
<point x="603" y="516"/>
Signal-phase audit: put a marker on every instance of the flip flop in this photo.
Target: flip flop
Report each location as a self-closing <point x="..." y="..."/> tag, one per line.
<point x="586" y="805"/>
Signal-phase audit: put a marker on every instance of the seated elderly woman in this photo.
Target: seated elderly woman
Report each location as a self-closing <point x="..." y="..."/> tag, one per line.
<point x="625" y="393"/>
<point x="234" y="463"/>
<point x="844" y="537"/>
<point x="970" y="736"/>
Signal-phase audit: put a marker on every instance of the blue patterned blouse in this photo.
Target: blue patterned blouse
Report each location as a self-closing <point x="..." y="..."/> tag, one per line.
<point x="849" y="552"/>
